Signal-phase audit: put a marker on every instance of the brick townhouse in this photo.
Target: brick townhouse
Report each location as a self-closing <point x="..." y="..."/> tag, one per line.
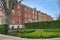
<point x="21" y="14"/>
<point x="2" y="16"/>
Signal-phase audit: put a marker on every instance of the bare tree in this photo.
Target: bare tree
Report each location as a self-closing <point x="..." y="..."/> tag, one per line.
<point x="59" y="3"/>
<point x="58" y="18"/>
<point x="8" y="8"/>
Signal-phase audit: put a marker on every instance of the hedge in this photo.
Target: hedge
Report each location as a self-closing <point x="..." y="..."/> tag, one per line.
<point x="43" y="25"/>
<point x="4" y="29"/>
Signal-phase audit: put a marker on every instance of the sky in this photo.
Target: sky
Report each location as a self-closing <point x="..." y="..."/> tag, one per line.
<point x="49" y="7"/>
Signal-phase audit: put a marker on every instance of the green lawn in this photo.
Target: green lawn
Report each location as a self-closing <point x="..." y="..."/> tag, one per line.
<point x="40" y="33"/>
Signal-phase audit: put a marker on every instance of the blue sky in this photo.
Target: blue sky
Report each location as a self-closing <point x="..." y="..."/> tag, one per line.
<point x="49" y="7"/>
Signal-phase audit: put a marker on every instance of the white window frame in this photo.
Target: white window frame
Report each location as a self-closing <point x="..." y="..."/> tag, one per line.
<point x="25" y="21"/>
<point x="0" y="20"/>
<point x="25" y="15"/>
<point x="33" y="17"/>
<point x="13" y="20"/>
<point x="33" y="11"/>
<point x="28" y="15"/>
<point x="13" y="12"/>
<point x="18" y="21"/>
<point x="28" y="10"/>
<point x="36" y="12"/>
<point x="18" y="6"/>
<point x="25" y="9"/>
<point x="36" y="17"/>
<point x="18" y="13"/>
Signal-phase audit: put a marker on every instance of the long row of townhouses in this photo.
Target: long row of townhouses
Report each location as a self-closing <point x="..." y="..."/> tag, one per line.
<point x="21" y="14"/>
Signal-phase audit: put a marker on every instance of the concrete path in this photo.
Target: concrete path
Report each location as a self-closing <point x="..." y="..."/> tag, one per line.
<point x="5" y="37"/>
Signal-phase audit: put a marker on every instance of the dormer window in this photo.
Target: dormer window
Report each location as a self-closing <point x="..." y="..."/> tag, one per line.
<point x="18" y="13"/>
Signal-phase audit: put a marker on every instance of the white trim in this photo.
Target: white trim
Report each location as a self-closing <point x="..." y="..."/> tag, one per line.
<point x="16" y="26"/>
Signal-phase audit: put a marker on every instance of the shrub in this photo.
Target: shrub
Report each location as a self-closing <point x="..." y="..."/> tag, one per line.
<point x="30" y="30"/>
<point x="21" y="30"/>
<point x="41" y="34"/>
<point x="13" y="33"/>
<point x="43" y="25"/>
<point x="4" y="29"/>
<point x="35" y="34"/>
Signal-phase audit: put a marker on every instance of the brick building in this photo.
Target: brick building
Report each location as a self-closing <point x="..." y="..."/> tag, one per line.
<point x="2" y="16"/>
<point x="21" y="14"/>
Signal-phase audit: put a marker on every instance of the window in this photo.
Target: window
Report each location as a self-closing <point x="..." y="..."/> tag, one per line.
<point x="18" y="13"/>
<point x="13" y="20"/>
<point x="30" y="20"/>
<point x="19" y="21"/>
<point x="39" y="19"/>
<point x="33" y="17"/>
<point x="36" y="17"/>
<point x="25" y="9"/>
<point x="0" y="20"/>
<point x="18" y="27"/>
<point x="33" y="11"/>
<point x="13" y="12"/>
<point x="28" y="10"/>
<point x="0" y="4"/>
<point x="28" y="15"/>
<point x="0" y="1"/>
<point x="18" y="6"/>
<point x="25" y="15"/>
<point x="36" y="12"/>
<point x="25" y="21"/>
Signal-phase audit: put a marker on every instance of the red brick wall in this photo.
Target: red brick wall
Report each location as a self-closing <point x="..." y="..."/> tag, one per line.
<point x="25" y="11"/>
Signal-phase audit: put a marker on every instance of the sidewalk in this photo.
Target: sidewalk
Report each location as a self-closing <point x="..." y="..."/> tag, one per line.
<point x="18" y="38"/>
<point x="9" y="37"/>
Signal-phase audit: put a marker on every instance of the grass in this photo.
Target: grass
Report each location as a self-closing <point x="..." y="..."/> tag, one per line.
<point x="40" y="33"/>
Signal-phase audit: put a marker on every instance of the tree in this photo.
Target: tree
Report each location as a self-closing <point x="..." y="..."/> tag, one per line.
<point x="8" y="8"/>
<point x="59" y="3"/>
<point x="58" y="18"/>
